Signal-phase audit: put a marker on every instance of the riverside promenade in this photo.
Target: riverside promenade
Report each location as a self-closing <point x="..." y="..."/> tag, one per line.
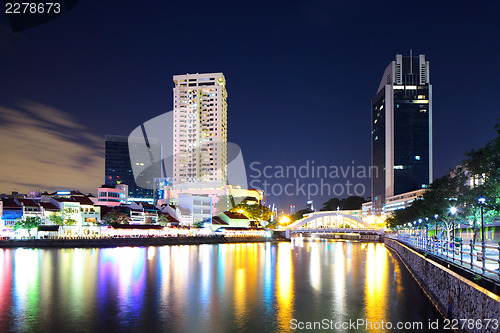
<point x="134" y="241"/>
<point x="473" y="304"/>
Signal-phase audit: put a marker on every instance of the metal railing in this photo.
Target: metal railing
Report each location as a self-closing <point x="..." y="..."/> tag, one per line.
<point x="336" y="230"/>
<point x="474" y="256"/>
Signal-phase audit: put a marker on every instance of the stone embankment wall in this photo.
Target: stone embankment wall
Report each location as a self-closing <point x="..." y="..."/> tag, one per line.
<point x="455" y="296"/>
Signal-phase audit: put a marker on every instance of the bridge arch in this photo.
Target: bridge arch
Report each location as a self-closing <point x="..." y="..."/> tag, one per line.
<point x="329" y="220"/>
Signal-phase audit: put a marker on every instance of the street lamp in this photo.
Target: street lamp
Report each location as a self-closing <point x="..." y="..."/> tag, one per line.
<point x="419" y="229"/>
<point x="426" y="231"/>
<point x="453" y="210"/>
<point x="481" y="202"/>
<point x="436" y="227"/>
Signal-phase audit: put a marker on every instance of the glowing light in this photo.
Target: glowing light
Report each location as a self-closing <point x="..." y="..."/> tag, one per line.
<point x="376" y="221"/>
<point x="5" y="281"/>
<point x="315" y="268"/>
<point x="284" y="286"/>
<point x="339" y="273"/>
<point x="26" y="282"/>
<point x="284" y="220"/>
<point x="376" y="283"/>
<point x="151" y="252"/>
<point x="241" y="283"/>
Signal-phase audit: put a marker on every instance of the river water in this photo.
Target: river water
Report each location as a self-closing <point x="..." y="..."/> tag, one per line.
<point x="253" y="287"/>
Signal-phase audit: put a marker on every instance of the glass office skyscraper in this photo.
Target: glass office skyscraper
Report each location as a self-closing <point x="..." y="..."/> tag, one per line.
<point x="402" y="130"/>
<point x="118" y="168"/>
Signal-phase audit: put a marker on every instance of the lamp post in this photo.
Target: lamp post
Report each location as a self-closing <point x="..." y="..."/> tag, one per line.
<point x="453" y="210"/>
<point x="420" y="229"/>
<point x="426" y="232"/>
<point x="481" y="203"/>
<point x="436" y="230"/>
<point x="436" y="227"/>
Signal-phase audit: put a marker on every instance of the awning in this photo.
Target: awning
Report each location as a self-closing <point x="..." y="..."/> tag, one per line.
<point x="48" y="228"/>
<point x="137" y="226"/>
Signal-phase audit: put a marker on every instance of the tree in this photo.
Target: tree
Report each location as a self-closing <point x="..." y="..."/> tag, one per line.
<point x="254" y="211"/>
<point x="56" y="219"/>
<point x="444" y="193"/>
<point x="116" y="216"/>
<point x="331" y="204"/>
<point x="149" y="220"/>
<point x="198" y="224"/>
<point x="478" y="176"/>
<point x="483" y="165"/>
<point x="64" y="219"/>
<point x="350" y="203"/>
<point x="163" y="220"/>
<point x="300" y="214"/>
<point x="28" y="223"/>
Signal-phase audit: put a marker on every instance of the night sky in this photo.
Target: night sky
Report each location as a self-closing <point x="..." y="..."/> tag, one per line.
<point x="300" y="78"/>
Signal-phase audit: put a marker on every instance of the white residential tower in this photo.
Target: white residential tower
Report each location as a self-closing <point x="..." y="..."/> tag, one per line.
<point x="200" y="131"/>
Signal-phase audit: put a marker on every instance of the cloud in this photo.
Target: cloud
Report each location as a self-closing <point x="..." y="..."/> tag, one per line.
<point x="45" y="148"/>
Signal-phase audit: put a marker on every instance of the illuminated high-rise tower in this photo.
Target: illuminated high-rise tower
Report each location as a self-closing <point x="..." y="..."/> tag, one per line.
<point x="200" y="131"/>
<point x="402" y="130"/>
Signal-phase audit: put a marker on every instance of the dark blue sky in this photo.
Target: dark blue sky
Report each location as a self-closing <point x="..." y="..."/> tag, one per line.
<point x="300" y="75"/>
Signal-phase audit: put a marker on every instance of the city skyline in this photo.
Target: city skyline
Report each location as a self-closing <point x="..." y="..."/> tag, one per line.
<point x="257" y="166"/>
<point x="296" y="94"/>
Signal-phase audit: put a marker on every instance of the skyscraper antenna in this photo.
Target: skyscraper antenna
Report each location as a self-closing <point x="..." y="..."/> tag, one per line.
<point x="411" y="59"/>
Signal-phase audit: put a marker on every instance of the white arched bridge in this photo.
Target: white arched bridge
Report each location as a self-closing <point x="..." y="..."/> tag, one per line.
<point x="331" y="222"/>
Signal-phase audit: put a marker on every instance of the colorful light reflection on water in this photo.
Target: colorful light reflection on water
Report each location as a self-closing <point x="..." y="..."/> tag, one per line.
<point x="204" y="288"/>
